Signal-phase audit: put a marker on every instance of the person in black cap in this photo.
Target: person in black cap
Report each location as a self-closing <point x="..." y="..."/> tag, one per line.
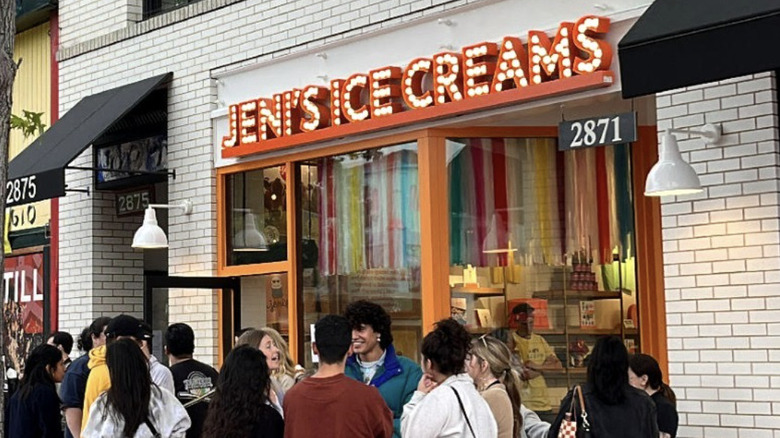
<point x="120" y="327"/>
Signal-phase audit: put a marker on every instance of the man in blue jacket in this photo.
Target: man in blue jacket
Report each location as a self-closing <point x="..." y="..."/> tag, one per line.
<point x="375" y="361"/>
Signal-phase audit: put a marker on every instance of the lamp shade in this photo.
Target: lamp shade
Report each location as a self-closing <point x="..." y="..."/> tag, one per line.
<point x="671" y="175"/>
<point x="150" y="235"/>
<point x="250" y="239"/>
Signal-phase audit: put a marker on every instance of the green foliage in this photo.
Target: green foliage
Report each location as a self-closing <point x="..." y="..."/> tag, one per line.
<point x="30" y="123"/>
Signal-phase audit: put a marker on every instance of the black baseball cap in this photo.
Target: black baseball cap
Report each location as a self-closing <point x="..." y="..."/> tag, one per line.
<point x="126" y="325"/>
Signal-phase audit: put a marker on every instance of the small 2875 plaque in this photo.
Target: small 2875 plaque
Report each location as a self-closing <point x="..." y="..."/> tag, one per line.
<point x="134" y="201"/>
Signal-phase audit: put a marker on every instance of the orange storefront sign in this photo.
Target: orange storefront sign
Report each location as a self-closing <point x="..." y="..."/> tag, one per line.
<point x="480" y="76"/>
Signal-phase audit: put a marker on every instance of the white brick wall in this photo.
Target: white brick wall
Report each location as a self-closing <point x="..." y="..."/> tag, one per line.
<point x="102" y="47"/>
<point x="721" y="263"/>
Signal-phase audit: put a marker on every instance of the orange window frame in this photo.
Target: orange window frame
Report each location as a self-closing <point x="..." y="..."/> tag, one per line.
<point x="435" y="245"/>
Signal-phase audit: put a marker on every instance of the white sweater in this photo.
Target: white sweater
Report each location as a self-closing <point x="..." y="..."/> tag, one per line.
<point x="438" y="413"/>
<point x="165" y="412"/>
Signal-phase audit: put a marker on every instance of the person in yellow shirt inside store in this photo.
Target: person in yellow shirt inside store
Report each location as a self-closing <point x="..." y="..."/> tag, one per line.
<point x="537" y="356"/>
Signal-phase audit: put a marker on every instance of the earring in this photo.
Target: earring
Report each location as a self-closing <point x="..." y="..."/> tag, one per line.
<point x="378" y="338"/>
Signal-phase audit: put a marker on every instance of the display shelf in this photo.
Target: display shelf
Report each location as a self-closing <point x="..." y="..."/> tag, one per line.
<point x="480" y="330"/>
<point x="563" y="372"/>
<point x="577" y="294"/>
<point x="481" y="291"/>
<point x="593" y="331"/>
<point x="548" y="332"/>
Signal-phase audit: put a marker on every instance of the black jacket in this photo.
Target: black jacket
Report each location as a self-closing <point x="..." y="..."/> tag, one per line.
<point x="38" y="416"/>
<point x="635" y="417"/>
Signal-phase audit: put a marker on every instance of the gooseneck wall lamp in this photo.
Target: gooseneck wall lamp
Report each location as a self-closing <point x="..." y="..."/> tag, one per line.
<point x="150" y="235"/>
<point x="671" y="175"/>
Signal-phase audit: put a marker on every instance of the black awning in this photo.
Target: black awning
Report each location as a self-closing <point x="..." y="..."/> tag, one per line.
<point x="677" y="43"/>
<point x="38" y="172"/>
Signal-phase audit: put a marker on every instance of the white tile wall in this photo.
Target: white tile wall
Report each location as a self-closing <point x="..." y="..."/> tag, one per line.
<point x="721" y="261"/>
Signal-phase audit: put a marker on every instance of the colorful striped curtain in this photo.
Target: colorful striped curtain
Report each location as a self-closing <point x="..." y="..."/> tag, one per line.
<point x="548" y="203"/>
<point x="369" y="207"/>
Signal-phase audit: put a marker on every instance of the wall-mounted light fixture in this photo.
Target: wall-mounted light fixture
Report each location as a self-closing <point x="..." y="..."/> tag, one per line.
<point x="150" y="235"/>
<point x="671" y="175"/>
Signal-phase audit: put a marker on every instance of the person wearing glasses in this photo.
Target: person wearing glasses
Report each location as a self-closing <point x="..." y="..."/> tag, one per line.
<point x="537" y="356"/>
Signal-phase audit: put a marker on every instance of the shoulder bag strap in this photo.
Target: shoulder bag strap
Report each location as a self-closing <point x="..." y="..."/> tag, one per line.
<point x="583" y="412"/>
<point x="151" y="427"/>
<point x="463" y="410"/>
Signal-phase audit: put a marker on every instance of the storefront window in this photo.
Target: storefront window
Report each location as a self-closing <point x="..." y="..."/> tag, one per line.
<point x="264" y="302"/>
<point x="542" y="253"/>
<point x="360" y="230"/>
<point x="257" y="219"/>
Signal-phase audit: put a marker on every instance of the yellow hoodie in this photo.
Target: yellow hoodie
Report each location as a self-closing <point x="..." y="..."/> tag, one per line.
<point x="98" y="381"/>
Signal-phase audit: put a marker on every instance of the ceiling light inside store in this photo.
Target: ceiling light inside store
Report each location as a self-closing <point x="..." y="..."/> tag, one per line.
<point x="250" y="239"/>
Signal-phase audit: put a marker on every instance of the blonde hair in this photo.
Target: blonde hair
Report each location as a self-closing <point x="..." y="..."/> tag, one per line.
<point x="286" y="365"/>
<point x="497" y="355"/>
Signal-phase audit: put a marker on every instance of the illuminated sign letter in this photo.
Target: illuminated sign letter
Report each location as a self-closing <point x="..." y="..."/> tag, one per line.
<point x="292" y="113"/>
<point x="335" y="102"/>
<point x="385" y="91"/>
<point x="351" y="102"/>
<point x="247" y="119"/>
<point x="447" y="77"/>
<point x="552" y="60"/>
<point x="480" y="66"/>
<point x="231" y="139"/>
<point x="512" y="68"/>
<point x="270" y="117"/>
<point x="316" y="113"/>
<point x="412" y="84"/>
<point x="599" y="52"/>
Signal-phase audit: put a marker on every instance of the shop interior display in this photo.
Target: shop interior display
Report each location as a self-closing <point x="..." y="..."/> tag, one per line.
<point x="535" y="230"/>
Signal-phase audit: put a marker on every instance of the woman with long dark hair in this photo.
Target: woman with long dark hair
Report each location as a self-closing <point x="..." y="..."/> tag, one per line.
<point x="644" y="373"/>
<point x="614" y="408"/>
<point x="375" y="361"/>
<point x="446" y="403"/>
<point x="490" y="366"/>
<point x="240" y="407"/>
<point x="133" y="407"/>
<point x="34" y="410"/>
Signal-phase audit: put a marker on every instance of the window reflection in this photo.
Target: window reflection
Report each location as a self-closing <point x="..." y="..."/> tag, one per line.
<point x="360" y="231"/>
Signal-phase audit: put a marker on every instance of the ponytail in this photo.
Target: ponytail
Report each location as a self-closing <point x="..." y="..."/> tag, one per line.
<point x="667" y="392"/>
<point x="499" y="359"/>
<point x="511" y="381"/>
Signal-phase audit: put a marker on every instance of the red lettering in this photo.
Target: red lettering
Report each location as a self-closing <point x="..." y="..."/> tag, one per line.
<point x="588" y="34"/>
<point x="352" y="98"/>
<point x="412" y="83"/>
<point x="512" y="68"/>
<point x="316" y="113"/>
<point x="447" y="77"/>
<point x="550" y="60"/>
<point x="385" y="91"/>
<point x="480" y="67"/>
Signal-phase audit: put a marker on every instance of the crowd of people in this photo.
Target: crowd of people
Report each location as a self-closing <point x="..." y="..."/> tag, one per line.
<point x="362" y="387"/>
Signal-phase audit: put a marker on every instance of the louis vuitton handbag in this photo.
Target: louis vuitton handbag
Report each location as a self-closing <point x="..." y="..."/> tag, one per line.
<point x="569" y="427"/>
